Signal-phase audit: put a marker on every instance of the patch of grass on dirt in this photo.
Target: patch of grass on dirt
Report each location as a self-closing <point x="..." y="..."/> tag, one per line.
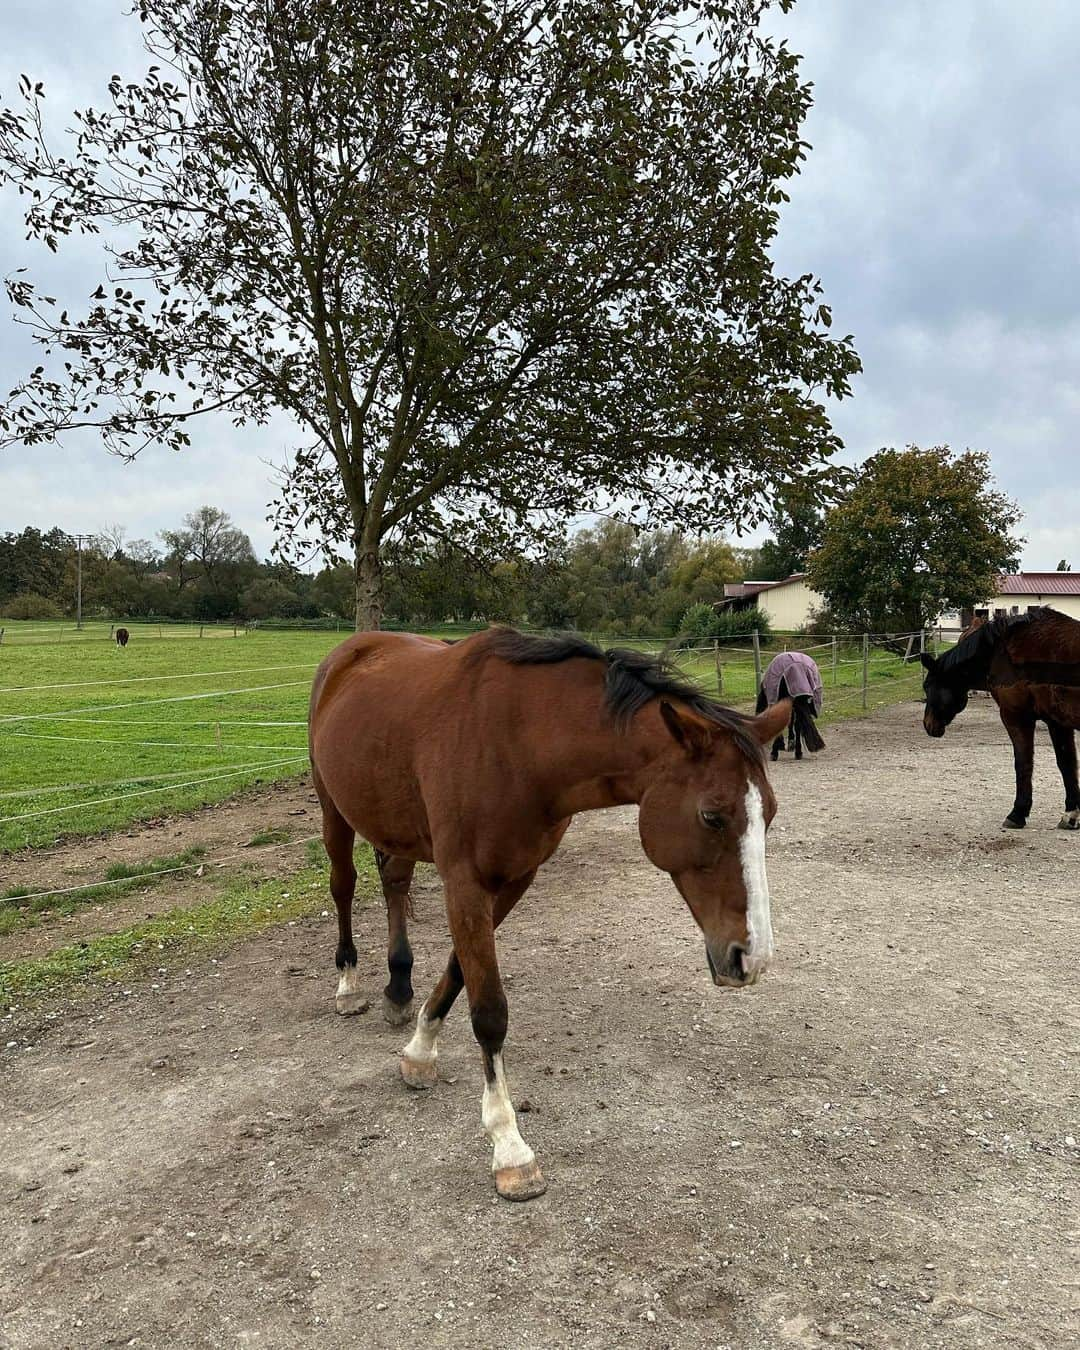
<point x="241" y="908"/>
<point x="22" y="907"/>
<point x="264" y="837"/>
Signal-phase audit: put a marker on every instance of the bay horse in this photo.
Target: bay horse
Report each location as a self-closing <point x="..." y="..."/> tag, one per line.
<point x="1030" y="664"/>
<point x="121" y="636"/>
<point x="476" y="757"/>
<point x="794" y="676"/>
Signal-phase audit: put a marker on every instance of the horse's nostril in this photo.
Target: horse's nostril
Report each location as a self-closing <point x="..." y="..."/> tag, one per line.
<point x="738" y="959"/>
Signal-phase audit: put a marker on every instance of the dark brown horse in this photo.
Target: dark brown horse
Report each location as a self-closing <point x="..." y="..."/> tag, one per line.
<point x="1030" y="663"/>
<point x="121" y="636"/>
<point x="476" y="757"/>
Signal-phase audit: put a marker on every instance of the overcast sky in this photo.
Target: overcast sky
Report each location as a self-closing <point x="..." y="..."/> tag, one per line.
<point x="940" y="205"/>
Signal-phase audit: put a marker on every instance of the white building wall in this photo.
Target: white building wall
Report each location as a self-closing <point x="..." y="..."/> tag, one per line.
<point x="1064" y="604"/>
<point x="789" y="607"/>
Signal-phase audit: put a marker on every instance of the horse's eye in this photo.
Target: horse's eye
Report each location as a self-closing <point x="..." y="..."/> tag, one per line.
<point x="713" y="819"/>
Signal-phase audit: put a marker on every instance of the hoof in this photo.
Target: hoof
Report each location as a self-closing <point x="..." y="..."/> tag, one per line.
<point x="775" y="756"/>
<point x="418" y="1073"/>
<point x="520" y="1183"/>
<point x="1009" y="824"/>
<point x="1070" y="821"/>
<point x="397" y="1014"/>
<point x="349" y="1005"/>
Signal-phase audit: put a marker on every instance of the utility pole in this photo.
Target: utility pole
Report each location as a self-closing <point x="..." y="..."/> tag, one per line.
<point x="78" y="585"/>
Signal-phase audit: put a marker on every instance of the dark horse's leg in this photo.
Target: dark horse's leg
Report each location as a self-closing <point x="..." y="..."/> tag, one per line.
<point x="762" y="704"/>
<point x="338" y="836"/>
<point x="396" y="877"/>
<point x="1064" y="739"/>
<point x="1020" y="724"/>
<point x="798" y="732"/>
<point x="474" y="915"/>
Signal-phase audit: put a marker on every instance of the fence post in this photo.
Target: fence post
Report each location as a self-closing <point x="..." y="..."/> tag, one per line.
<point x="757" y="663"/>
<point x="200" y="630"/>
<point x="716" y="658"/>
<point x="865" y="666"/>
<point x="835" y="658"/>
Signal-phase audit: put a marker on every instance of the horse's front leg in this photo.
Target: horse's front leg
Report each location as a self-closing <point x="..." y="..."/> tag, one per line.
<point x="1064" y="740"/>
<point x="474" y="915"/>
<point x="1021" y="729"/>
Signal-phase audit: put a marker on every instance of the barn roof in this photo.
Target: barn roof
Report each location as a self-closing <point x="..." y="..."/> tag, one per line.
<point x="1040" y="583"/>
<point x="737" y="590"/>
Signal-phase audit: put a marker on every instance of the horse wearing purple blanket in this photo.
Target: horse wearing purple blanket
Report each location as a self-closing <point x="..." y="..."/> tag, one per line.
<point x="794" y="675"/>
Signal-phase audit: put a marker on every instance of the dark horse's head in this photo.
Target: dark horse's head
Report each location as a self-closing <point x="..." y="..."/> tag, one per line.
<point x="945" y="696"/>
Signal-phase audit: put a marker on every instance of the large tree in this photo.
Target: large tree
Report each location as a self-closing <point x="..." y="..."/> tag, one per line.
<point x="499" y="261"/>
<point x="921" y="531"/>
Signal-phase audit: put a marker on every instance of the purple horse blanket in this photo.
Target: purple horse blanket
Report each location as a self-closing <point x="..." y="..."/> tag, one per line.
<point x="799" y="672"/>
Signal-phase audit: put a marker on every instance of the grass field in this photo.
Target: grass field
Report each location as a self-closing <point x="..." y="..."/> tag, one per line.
<point x="92" y="737"/>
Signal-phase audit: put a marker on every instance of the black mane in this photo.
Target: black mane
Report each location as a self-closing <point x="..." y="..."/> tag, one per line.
<point x="633" y="678"/>
<point x="971" y="655"/>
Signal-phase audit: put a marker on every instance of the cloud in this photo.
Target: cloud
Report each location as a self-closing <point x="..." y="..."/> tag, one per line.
<point x="939" y="207"/>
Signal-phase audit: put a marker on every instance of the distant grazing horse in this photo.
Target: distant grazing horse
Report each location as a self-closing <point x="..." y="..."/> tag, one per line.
<point x="794" y="675"/>
<point x="1030" y="663"/>
<point x="120" y="637"/>
<point x="476" y="757"/>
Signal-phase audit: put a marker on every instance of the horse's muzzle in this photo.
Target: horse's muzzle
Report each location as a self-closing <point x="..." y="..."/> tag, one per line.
<point x="933" y="727"/>
<point x="733" y="966"/>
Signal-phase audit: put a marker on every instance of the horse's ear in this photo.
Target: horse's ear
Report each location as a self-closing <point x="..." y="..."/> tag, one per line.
<point x="693" y="733"/>
<point x="771" y="723"/>
<point x="929" y="662"/>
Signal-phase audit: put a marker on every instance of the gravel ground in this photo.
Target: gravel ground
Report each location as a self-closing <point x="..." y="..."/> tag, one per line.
<point x="876" y="1146"/>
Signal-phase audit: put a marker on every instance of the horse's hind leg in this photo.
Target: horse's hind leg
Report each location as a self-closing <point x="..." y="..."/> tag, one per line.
<point x="339" y="836"/>
<point x="396" y="877"/>
<point x="1064" y="740"/>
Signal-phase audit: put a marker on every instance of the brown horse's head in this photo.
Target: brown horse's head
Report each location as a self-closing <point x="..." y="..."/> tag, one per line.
<point x="703" y="818"/>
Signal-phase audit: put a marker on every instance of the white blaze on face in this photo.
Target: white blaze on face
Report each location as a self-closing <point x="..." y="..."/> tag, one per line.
<point x="752" y="856"/>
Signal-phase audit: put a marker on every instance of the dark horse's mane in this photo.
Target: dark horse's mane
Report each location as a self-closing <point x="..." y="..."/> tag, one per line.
<point x="971" y="656"/>
<point x="633" y="678"/>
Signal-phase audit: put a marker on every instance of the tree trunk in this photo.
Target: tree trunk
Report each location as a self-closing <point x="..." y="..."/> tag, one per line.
<point x="369" y="588"/>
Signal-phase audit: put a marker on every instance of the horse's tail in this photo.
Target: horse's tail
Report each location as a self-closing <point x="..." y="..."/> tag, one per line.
<point x="804" y="717"/>
<point x="762" y="700"/>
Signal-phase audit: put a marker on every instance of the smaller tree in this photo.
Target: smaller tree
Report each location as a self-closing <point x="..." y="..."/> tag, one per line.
<point x="1064" y="566"/>
<point x="921" y="531"/>
<point x="797" y="523"/>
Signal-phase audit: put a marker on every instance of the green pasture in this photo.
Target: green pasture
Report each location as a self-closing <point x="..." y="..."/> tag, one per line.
<point x="93" y="738"/>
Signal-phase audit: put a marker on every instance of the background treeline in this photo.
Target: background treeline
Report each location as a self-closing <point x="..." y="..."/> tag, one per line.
<point x="610" y="578"/>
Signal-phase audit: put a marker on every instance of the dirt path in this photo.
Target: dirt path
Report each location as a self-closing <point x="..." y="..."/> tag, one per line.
<point x="874" y="1147"/>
